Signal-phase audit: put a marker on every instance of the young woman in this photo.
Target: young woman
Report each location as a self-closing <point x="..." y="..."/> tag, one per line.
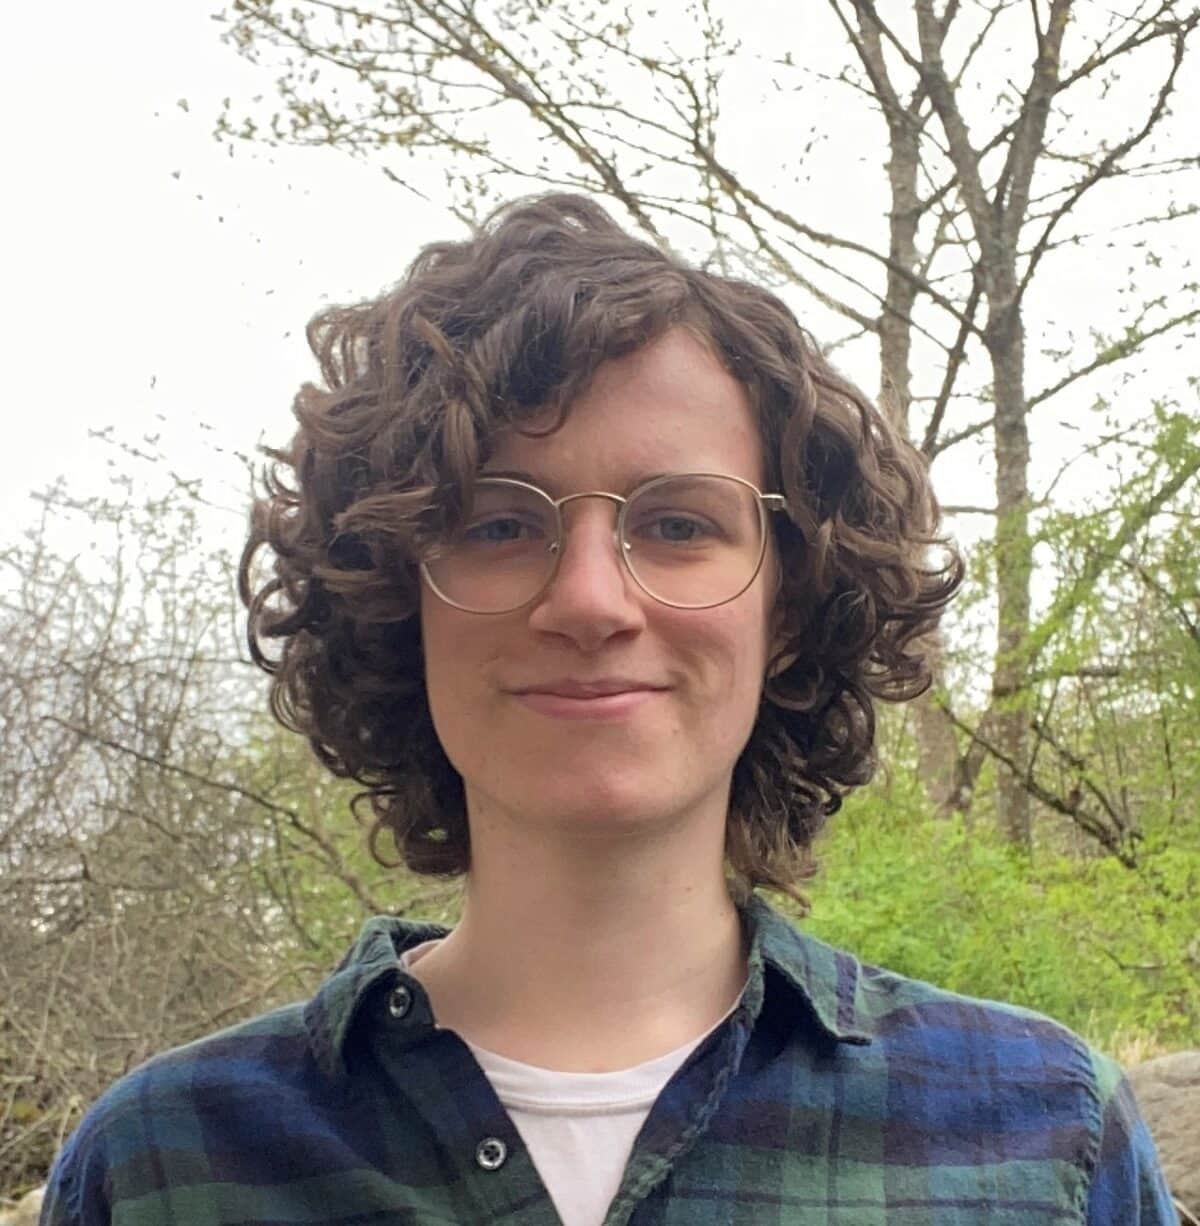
<point x="591" y="569"/>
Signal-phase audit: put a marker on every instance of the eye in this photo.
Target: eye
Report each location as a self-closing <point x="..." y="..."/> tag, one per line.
<point x="678" y="529"/>
<point x="676" y="522"/>
<point x="501" y="529"/>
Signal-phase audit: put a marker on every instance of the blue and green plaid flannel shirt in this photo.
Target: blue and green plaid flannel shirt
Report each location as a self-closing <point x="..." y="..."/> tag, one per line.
<point x="836" y="1093"/>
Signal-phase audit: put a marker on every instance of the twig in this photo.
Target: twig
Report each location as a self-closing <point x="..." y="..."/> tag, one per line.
<point x="345" y="875"/>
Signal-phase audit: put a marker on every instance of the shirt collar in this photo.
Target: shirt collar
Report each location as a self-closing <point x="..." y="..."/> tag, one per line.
<point x="826" y="982"/>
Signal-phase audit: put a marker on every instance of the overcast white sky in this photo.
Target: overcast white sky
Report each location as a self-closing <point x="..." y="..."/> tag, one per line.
<point x="158" y="282"/>
<point x="150" y="272"/>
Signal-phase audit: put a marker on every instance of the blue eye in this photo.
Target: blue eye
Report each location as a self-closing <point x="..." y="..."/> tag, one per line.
<point x="501" y="530"/>
<point x="692" y="529"/>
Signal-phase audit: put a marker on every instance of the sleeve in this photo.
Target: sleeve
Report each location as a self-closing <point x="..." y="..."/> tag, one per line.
<point x="1128" y="1187"/>
<point x="76" y="1189"/>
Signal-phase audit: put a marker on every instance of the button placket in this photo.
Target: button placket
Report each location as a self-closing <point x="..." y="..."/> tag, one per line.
<point x="424" y="1059"/>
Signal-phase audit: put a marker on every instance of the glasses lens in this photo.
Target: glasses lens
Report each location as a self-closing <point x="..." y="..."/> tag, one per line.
<point x="694" y="541"/>
<point x="504" y="555"/>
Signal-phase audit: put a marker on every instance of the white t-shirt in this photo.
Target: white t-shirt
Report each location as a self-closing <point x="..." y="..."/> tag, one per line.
<point x="579" y="1128"/>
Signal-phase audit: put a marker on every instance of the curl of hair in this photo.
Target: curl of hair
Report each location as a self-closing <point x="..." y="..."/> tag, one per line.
<point x="487" y="334"/>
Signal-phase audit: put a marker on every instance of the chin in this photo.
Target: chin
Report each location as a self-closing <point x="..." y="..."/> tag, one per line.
<point x="582" y="799"/>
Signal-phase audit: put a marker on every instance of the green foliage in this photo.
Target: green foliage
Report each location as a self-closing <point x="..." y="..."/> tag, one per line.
<point x="1111" y="953"/>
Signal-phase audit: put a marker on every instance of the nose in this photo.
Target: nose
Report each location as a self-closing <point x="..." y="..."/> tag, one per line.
<point x="592" y="594"/>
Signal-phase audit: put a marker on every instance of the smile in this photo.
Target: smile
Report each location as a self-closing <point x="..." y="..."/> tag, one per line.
<point x="608" y="707"/>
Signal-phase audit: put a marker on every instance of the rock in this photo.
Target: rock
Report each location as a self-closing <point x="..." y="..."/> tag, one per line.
<point x="26" y="1210"/>
<point x="1168" y="1092"/>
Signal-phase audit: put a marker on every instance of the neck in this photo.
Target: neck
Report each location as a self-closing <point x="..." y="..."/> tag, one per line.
<point x="589" y="953"/>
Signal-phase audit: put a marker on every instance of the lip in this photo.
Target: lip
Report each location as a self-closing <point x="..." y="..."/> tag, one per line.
<point x="569" y="687"/>
<point x="605" y="707"/>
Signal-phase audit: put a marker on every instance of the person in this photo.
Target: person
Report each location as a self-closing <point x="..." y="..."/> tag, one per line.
<point x="592" y="570"/>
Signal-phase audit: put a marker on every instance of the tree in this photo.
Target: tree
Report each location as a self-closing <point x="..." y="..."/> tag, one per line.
<point x="1117" y="664"/>
<point x="170" y="860"/>
<point x="990" y="182"/>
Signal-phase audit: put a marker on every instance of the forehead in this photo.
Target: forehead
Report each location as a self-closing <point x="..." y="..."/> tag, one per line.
<point x="668" y="407"/>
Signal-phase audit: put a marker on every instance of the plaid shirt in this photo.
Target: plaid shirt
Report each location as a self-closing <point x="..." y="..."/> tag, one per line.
<point x="836" y="1093"/>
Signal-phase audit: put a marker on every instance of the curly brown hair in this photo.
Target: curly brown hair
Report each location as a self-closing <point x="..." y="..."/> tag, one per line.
<point x="486" y="334"/>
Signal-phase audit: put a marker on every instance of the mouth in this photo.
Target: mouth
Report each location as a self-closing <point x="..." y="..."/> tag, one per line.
<point x="579" y="687"/>
<point x="608" y="707"/>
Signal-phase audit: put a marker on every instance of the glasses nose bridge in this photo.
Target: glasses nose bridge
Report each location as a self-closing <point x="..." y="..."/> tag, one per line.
<point x="616" y="499"/>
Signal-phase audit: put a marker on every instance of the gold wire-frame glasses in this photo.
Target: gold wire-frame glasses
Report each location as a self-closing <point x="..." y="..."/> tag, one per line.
<point x="764" y="502"/>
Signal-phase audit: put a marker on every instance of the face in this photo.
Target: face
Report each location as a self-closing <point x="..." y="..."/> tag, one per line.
<point x="669" y="407"/>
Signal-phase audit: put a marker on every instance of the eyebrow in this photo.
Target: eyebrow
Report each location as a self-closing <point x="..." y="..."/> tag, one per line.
<point x="552" y="487"/>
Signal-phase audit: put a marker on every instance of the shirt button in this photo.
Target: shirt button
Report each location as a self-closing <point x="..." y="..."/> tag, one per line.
<point x="400" y="1001"/>
<point x="490" y="1153"/>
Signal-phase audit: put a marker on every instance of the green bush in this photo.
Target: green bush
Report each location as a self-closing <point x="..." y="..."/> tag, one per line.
<point x="1112" y="953"/>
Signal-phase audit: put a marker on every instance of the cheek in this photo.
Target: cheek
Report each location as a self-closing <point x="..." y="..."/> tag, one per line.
<point x="463" y="655"/>
<point x="448" y="661"/>
<point x="729" y="653"/>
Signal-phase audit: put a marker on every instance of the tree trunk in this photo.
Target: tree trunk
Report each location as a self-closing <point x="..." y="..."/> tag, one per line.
<point x="1014" y="561"/>
<point x="936" y="746"/>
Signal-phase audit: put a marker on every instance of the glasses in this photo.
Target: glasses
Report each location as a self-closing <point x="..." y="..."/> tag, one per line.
<point x="690" y="540"/>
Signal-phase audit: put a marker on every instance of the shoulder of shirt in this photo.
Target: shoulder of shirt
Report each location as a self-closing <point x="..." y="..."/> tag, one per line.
<point x="292" y="1043"/>
<point x="267" y="1051"/>
<point x="936" y="1041"/>
<point x="260" y="1048"/>
<point x="901" y="1019"/>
